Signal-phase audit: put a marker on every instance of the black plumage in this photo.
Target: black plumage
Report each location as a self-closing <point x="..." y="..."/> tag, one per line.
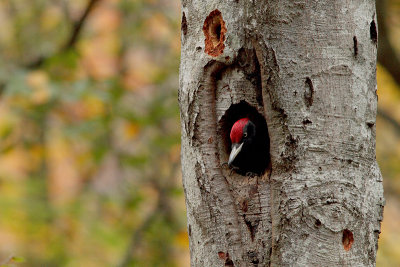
<point x="250" y="148"/>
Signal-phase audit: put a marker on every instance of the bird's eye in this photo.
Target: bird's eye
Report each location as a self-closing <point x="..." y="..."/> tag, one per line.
<point x="245" y="135"/>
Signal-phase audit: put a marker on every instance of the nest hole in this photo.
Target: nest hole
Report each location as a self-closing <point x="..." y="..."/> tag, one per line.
<point x="347" y="239"/>
<point x="262" y="155"/>
<point x="216" y="33"/>
<point x="184" y="27"/>
<point x="373" y="33"/>
<point x="214" y="30"/>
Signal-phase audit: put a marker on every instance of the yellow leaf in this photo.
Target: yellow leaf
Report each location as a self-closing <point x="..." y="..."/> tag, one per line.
<point x="131" y="130"/>
<point x="388" y="93"/>
<point x="182" y="239"/>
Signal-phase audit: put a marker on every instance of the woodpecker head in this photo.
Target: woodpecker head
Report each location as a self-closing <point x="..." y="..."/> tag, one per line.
<point x="242" y="136"/>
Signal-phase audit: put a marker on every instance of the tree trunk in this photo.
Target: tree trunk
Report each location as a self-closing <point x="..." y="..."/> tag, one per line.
<point x="308" y="68"/>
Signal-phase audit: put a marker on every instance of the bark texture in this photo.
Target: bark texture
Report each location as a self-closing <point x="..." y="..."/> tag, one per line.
<point x="309" y="69"/>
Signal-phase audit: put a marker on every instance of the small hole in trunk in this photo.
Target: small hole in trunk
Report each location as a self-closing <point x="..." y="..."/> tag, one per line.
<point x="373" y="32"/>
<point x="214" y="30"/>
<point x="347" y="239"/>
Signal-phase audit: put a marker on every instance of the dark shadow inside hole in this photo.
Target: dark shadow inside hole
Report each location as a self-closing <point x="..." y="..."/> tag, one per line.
<point x="184" y="24"/>
<point x="217" y="31"/>
<point x="259" y="160"/>
<point x="355" y="46"/>
<point x="373" y="32"/>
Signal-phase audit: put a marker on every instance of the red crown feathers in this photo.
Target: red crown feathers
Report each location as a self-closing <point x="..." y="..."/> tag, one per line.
<point x="237" y="130"/>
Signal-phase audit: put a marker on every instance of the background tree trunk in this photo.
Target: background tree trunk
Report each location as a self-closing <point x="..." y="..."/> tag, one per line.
<point x="309" y="68"/>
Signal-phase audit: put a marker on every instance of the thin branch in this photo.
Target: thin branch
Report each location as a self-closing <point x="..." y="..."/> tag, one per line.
<point x="387" y="55"/>
<point x="79" y="25"/>
<point x="72" y="40"/>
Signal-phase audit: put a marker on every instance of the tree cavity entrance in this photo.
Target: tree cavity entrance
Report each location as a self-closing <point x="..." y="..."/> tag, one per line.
<point x="347" y="239"/>
<point x="373" y="32"/>
<point x="214" y="30"/>
<point x="258" y="162"/>
<point x="216" y="33"/>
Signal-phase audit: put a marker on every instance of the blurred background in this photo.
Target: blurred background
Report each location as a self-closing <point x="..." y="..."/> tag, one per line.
<point x="90" y="133"/>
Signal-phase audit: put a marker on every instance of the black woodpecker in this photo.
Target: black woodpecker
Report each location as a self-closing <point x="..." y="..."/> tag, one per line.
<point x="249" y="154"/>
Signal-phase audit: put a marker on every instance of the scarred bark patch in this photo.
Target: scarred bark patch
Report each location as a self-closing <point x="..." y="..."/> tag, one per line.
<point x="225" y="256"/>
<point x="214" y="30"/>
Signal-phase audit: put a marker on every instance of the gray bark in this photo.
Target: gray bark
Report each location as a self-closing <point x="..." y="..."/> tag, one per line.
<point x="309" y="68"/>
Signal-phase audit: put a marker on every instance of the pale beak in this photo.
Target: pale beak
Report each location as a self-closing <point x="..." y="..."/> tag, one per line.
<point x="236" y="148"/>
